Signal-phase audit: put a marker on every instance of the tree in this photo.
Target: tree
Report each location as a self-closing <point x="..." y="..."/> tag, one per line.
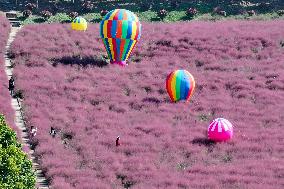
<point x="15" y="167"/>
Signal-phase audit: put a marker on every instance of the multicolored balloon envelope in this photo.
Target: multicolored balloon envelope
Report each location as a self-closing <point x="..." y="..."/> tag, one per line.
<point x="120" y="30"/>
<point x="220" y="130"/>
<point x="79" y="24"/>
<point x="180" y="85"/>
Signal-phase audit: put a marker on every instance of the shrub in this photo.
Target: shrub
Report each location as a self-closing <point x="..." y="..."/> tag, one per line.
<point x="223" y="13"/>
<point x="162" y="14"/>
<point x="175" y="3"/>
<point x="280" y="12"/>
<point x="16" y="168"/>
<point x="103" y="12"/>
<point x="216" y="10"/>
<point x="191" y="12"/>
<point x="264" y="7"/>
<point x="27" y="13"/>
<point x="46" y="14"/>
<point x="251" y="13"/>
<point x="19" y="94"/>
<point x="31" y="6"/>
<point x="73" y="15"/>
<point x="87" y="6"/>
<point x="60" y="17"/>
<point x="145" y="5"/>
<point x="219" y="11"/>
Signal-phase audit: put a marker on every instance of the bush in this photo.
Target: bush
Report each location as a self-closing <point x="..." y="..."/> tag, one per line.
<point x="264" y="7"/>
<point x="162" y="14"/>
<point x="16" y="168"/>
<point x="27" y="13"/>
<point x="60" y="17"/>
<point x="19" y="94"/>
<point x="145" y="6"/>
<point x="46" y="14"/>
<point x="251" y="13"/>
<point x="87" y="6"/>
<point x="73" y="15"/>
<point x="280" y="12"/>
<point x="31" y="6"/>
<point x="103" y="13"/>
<point x="223" y="13"/>
<point x="175" y="4"/>
<point x="219" y="11"/>
<point x="191" y="12"/>
<point x="216" y="10"/>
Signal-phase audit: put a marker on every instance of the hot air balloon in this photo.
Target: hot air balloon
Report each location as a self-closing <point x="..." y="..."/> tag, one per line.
<point x="180" y="85"/>
<point x="220" y="130"/>
<point x="120" y="30"/>
<point x="79" y="24"/>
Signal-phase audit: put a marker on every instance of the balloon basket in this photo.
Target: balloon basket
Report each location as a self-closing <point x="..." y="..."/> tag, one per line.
<point x="121" y="63"/>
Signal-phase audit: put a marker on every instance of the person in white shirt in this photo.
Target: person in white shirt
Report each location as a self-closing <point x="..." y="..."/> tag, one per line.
<point x="33" y="131"/>
<point x="52" y="132"/>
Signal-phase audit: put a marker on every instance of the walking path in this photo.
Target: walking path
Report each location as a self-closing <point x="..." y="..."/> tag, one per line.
<point x="40" y="180"/>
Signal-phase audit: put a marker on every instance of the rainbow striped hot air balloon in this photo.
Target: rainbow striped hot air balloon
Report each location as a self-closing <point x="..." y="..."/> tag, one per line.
<point x="180" y="85"/>
<point x="79" y="24"/>
<point x="120" y="30"/>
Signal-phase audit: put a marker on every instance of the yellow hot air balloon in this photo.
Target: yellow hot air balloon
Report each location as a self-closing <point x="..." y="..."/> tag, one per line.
<point x="79" y="24"/>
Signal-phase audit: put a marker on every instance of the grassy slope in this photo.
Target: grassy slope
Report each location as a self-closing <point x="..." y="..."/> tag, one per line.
<point x="238" y="67"/>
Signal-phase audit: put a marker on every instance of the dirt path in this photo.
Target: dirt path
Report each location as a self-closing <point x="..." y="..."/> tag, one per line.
<point x="41" y="181"/>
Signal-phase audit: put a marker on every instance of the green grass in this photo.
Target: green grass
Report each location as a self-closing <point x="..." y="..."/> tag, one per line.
<point x="93" y="17"/>
<point x="151" y="16"/>
<point x="147" y="15"/>
<point x="30" y="20"/>
<point x="59" y="17"/>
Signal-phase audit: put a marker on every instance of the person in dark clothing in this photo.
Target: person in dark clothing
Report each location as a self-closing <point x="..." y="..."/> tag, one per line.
<point x="52" y="132"/>
<point x="117" y="142"/>
<point x="11" y="85"/>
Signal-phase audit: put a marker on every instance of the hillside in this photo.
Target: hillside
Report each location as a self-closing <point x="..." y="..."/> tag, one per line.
<point x="239" y="73"/>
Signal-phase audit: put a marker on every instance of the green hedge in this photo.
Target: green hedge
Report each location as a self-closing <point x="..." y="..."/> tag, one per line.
<point x="15" y="167"/>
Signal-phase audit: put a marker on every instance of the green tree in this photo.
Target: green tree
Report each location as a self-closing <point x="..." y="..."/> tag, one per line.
<point x="15" y="167"/>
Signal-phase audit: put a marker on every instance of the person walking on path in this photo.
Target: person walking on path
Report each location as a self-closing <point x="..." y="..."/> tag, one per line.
<point x="117" y="142"/>
<point x="33" y="141"/>
<point x="11" y="86"/>
<point x="52" y="132"/>
<point x="33" y="131"/>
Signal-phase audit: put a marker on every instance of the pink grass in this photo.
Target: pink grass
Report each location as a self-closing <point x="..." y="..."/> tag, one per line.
<point x="238" y="68"/>
<point x="5" y="99"/>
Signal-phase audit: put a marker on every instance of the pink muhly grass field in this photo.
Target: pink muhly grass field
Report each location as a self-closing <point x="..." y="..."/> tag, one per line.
<point x="239" y="73"/>
<point x="5" y="99"/>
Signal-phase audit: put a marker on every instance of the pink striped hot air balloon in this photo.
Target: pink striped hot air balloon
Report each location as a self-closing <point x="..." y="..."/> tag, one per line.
<point x="220" y="130"/>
